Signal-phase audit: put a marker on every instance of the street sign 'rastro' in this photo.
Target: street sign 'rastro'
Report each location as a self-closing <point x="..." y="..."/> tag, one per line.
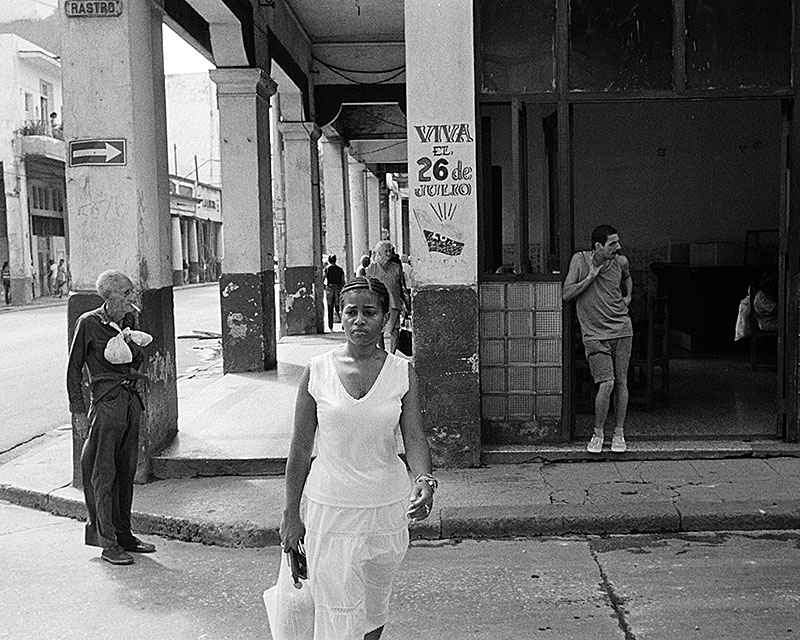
<point x="93" y="8"/>
<point x="102" y="152"/>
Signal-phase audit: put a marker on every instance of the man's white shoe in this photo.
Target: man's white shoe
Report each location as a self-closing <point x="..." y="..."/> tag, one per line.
<point x="595" y="444"/>
<point x="618" y="444"/>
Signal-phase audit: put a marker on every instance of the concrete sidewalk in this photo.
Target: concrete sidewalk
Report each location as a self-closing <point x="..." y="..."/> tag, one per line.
<point x="534" y="499"/>
<point x="223" y="485"/>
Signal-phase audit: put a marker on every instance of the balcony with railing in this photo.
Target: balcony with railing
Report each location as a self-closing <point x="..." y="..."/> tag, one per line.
<point x="42" y="138"/>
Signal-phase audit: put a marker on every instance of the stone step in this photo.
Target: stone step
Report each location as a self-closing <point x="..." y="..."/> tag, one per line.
<point x="200" y="464"/>
<point x="164" y="467"/>
<point x="640" y="450"/>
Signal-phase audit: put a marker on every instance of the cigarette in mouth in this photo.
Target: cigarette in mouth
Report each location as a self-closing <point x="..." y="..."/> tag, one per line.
<point x="135" y="308"/>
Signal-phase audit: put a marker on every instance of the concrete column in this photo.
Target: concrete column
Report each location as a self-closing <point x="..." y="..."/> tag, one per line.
<point x="279" y="210"/>
<point x="177" y="251"/>
<point x="184" y="241"/>
<point x="383" y="205"/>
<point x="191" y="243"/>
<point x="356" y="173"/>
<point x="337" y="222"/>
<point x="113" y="78"/>
<point x="17" y="222"/>
<point x="440" y="85"/>
<point x="304" y="297"/>
<point x="220" y="245"/>
<point x="247" y="282"/>
<point x="395" y="219"/>
<point x="373" y="198"/>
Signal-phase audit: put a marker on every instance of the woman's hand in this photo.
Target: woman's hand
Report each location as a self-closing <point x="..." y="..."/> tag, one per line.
<point x="292" y="531"/>
<point x="420" y="501"/>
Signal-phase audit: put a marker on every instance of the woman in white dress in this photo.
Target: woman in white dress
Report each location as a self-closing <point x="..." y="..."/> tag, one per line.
<point x="358" y="493"/>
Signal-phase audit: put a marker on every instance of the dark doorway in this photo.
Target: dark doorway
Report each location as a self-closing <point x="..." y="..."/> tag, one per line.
<point x="688" y="185"/>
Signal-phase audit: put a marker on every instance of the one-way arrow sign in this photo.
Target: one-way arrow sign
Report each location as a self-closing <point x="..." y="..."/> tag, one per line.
<point x="103" y="152"/>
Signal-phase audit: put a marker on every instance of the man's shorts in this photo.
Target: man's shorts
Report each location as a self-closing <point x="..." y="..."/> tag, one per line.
<point x="609" y="359"/>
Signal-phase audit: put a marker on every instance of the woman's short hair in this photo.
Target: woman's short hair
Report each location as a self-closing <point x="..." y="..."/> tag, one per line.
<point x="374" y="285"/>
<point x="108" y="280"/>
<point x="381" y="245"/>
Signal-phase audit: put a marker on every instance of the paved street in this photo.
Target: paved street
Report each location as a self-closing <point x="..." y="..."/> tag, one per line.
<point x="702" y="586"/>
<point x="33" y="342"/>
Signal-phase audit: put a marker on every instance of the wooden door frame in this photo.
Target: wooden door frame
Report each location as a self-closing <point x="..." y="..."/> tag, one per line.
<point x="789" y="426"/>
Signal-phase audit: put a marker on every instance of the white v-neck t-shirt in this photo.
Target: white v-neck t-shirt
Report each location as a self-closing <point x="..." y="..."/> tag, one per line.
<point x="357" y="463"/>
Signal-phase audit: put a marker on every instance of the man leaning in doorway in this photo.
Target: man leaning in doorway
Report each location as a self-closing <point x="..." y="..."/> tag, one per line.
<point x="600" y="283"/>
<point x="106" y="343"/>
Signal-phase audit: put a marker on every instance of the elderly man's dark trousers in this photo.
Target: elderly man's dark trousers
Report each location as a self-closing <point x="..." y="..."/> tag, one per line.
<point x="108" y="466"/>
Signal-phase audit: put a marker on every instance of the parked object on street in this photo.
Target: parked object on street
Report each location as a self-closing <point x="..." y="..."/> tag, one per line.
<point x="107" y="343"/>
<point x="352" y="401"/>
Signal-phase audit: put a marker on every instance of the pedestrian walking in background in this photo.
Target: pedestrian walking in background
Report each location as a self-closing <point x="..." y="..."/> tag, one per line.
<point x="408" y="277"/>
<point x="6" y="274"/>
<point x="52" y="273"/>
<point x="61" y="277"/>
<point x="389" y="271"/>
<point x="333" y="275"/>
<point x="600" y="283"/>
<point x="107" y="344"/>
<point x="358" y="495"/>
<point x="34" y="281"/>
<point x="361" y="270"/>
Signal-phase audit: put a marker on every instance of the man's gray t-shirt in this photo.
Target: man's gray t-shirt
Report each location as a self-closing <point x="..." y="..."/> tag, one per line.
<point x="601" y="309"/>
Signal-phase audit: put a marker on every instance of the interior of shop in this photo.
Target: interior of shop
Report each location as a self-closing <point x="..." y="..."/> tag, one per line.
<point x="695" y="189"/>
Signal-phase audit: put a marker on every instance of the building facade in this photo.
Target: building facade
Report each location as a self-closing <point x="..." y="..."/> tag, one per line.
<point x="195" y="210"/>
<point x="520" y="125"/>
<point x="33" y="217"/>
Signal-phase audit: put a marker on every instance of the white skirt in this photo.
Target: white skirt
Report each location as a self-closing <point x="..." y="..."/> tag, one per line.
<point x="353" y="557"/>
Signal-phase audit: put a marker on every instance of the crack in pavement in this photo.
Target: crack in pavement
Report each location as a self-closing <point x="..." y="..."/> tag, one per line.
<point x="617" y="601"/>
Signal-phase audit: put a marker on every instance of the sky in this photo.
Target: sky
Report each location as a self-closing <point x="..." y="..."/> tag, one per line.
<point x="180" y="57"/>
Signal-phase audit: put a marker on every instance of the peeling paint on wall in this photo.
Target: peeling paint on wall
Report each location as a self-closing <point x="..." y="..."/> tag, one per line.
<point x="229" y="289"/>
<point x="474" y="361"/>
<point x="237" y="329"/>
<point x="161" y="368"/>
<point x="291" y="298"/>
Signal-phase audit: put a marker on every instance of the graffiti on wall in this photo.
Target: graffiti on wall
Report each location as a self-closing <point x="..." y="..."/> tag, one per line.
<point x="444" y="178"/>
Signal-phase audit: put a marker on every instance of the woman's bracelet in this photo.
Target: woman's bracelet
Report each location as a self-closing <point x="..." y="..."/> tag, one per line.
<point x="429" y="479"/>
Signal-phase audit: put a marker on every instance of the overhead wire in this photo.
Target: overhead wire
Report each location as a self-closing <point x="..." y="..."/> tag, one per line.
<point x="341" y="71"/>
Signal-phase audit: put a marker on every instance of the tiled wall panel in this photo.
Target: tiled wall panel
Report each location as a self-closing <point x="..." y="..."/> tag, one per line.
<point x="521" y="368"/>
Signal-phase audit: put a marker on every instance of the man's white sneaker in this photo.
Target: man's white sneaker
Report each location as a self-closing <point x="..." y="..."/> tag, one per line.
<point x="618" y="444"/>
<point x="595" y="444"/>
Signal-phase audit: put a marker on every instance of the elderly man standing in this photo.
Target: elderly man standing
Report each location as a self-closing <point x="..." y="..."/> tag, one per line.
<point x="385" y="269"/>
<point x="106" y="343"/>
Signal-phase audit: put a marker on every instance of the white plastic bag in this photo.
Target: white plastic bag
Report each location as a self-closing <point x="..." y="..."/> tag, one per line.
<point x="743" y="320"/>
<point x="290" y="610"/>
<point x="117" y="349"/>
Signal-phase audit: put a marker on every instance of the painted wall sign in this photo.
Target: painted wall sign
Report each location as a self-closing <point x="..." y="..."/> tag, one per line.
<point x="442" y="148"/>
<point x="444" y="177"/>
<point x="93" y="8"/>
<point x="98" y="152"/>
